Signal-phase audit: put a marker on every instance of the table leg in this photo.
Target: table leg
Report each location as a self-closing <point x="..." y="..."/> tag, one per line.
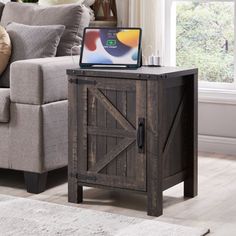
<point x="191" y="182"/>
<point x="154" y="155"/>
<point x="75" y="192"/>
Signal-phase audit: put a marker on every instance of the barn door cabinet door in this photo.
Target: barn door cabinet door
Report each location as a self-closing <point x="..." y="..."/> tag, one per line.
<point x="111" y="133"/>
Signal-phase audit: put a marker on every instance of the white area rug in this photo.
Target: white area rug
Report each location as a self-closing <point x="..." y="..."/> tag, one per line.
<point x="25" y="217"/>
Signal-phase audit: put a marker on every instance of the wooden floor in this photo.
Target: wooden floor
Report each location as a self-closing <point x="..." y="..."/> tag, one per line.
<point x="214" y="208"/>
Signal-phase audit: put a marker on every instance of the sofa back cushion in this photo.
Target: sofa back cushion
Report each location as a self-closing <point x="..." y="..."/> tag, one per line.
<point x="5" y="49"/>
<point x="73" y="16"/>
<point x="1" y="9"/>
<point x="25" y="46"/>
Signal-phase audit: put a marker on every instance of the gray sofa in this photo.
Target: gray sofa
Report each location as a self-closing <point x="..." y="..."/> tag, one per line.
<point x="33" y="103"/>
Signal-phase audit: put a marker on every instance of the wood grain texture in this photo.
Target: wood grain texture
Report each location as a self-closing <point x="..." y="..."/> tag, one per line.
<point x="112" y="154"/>
<point x="115" y="132"/>
<point x="154" y="158"/>
<point x="175" y="124"/>
<point x="92" y="122"/>
<point x="111" y="132"/>
<point x="101" y="148"/>
<point x="118" y="182"/>
<point x="138" y="132"/>
<point x="74" y="191"/>
<point x="143" y="73"/>
<point x="111" y="142"/>
<point x="141" y="113"/>
<point x="131" y="150"/>
<point x="112" y="109"/>
<point x="121" y="167"/>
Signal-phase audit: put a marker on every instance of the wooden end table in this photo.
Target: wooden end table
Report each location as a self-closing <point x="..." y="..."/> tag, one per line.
<point x="133" y="130"/>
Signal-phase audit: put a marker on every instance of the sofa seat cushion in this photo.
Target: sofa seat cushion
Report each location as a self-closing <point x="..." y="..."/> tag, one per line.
<point x="4" y="105"/>
<point x="73" y="16"/>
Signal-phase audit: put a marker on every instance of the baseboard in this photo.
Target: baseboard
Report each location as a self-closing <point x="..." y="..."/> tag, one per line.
<point x="215" y="144"/>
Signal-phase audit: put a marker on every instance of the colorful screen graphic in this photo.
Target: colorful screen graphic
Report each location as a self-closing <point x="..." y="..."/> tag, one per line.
<point x="111" y="46"/>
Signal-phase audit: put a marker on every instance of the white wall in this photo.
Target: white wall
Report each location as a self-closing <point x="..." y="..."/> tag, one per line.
<point x="217" y="124"/>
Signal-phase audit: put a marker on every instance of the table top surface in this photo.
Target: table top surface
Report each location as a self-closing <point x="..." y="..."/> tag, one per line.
<point x="143" y="72"/>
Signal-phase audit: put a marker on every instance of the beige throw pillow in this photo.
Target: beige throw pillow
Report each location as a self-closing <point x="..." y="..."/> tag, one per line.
<point x="5" y="49"/>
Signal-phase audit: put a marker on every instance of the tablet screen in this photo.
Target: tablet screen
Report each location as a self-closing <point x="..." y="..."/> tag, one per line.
<point x="111" y="46"/>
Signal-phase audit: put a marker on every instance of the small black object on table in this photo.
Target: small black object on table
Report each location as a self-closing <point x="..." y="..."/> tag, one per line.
<point x="133" y="130"/>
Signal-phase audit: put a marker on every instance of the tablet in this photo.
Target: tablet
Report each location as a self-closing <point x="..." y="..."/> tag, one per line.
<point x="111" y="47"/>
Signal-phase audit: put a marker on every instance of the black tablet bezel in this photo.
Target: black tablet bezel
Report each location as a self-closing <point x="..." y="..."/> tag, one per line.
<point x="93" y="65"/>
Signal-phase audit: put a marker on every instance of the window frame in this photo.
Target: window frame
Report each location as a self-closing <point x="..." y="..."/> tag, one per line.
<point x="170" y="46"/>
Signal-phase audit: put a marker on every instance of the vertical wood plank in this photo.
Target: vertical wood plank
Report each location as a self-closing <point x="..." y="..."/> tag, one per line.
<point x="101" y="140"/>
<point x="122" y="107"/>
<point x="191" y="183"/>
<point x="141" y="105"/>
<point x="131" y="116"/>
<point x="111" y="123"/>
<point x="92" y="118"/>
<point x="154" y="158"/>
<point x="74" y="191"/>
<point x="82" y="117"/>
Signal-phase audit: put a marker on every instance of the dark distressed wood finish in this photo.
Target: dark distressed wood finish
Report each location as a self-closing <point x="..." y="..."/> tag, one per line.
<point x="154" y="154"/>
<point x="134" y="130"/>
<point x="191" y="182"/>
<point x="74" y="190"/>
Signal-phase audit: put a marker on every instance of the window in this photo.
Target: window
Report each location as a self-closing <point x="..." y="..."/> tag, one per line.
<point x="201" y="34"/>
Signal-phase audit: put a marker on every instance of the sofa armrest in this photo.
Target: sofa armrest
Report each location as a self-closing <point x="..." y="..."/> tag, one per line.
<point x="40" y="81"/>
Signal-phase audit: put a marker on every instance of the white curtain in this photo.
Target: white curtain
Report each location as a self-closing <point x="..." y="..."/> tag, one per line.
<point x="147" y="14"/>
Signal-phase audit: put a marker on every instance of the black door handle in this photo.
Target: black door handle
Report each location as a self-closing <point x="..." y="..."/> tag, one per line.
<point x="141" y="135"/>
